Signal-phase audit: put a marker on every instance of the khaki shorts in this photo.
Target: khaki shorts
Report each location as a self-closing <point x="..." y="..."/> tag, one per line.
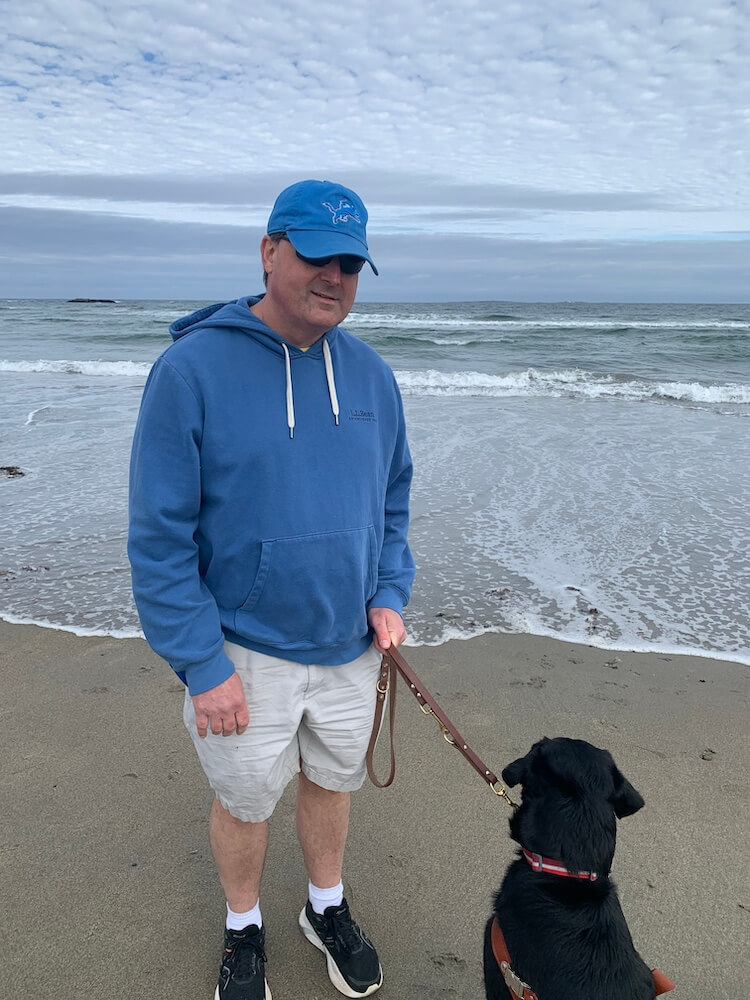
<point x="314" y="717"/>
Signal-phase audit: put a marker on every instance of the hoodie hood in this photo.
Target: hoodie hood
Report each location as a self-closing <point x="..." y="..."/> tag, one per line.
<point x="236" y="315"/>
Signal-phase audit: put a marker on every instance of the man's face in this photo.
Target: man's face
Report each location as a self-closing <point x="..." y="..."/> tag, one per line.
<point x="302" y="301"/>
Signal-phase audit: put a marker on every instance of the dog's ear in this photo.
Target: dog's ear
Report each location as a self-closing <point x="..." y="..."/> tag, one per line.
<point x="626" y="800"/>
<point x="516" y="773"/>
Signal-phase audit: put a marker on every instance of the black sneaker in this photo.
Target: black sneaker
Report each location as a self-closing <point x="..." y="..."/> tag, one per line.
<point x="242" y="973"/>
<point x="352" y="961"/>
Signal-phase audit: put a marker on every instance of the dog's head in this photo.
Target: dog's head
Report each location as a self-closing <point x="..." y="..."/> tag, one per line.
<point x="571" y="793"/>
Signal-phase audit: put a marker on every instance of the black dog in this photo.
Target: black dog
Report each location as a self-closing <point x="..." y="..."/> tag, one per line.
<point x="565" y="932"/>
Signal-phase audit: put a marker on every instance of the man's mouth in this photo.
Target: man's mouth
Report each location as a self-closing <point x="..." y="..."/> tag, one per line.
<point x="328" y="298"/>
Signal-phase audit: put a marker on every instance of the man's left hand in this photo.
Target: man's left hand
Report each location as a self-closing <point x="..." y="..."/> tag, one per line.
<point x="388" y="626"/>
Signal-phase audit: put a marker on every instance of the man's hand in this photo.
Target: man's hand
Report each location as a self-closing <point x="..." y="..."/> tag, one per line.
<point x="388" y="627"/>
<point x="222" y="709"/>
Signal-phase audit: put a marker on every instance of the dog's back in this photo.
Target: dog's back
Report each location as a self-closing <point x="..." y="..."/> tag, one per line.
<point x="568" y="939"/>
<point x="566" y="934"/>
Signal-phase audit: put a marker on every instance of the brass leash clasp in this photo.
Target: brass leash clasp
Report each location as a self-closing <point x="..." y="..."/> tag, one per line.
<point x="498" y="789"/>
<point x="426" y="710"/>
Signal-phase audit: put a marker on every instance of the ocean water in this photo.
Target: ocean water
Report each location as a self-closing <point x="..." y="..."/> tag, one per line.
<point x="581" y="470"/>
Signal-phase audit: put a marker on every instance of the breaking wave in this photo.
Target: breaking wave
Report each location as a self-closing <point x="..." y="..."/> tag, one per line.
<point x="572" y="382"/>
<point x="567" y="383"/>
<point x="134" y="369"/>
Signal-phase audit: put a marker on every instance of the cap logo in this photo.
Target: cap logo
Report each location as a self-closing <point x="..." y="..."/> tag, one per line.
<point x="343" y="213"/>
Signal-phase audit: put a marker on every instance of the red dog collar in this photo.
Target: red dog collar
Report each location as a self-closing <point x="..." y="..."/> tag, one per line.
<point x="541" y="864"/>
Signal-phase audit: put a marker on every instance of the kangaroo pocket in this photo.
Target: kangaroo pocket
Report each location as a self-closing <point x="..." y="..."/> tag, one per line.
<point x="311" y="590"/>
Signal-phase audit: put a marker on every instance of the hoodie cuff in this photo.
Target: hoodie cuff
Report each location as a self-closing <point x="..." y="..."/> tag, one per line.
<point x="202" y="677"/>
<point x="388" y="597"/>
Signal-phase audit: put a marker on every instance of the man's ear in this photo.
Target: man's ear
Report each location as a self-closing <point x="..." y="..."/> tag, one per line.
<point x="268" y="250"/>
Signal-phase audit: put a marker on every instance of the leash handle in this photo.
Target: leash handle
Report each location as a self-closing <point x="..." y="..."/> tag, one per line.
<point x="386" y="684"/>
<point x="392" y="665"/>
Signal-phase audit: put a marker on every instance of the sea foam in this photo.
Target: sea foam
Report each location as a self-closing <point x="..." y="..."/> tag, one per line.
<point x="131" y="369"/>
<point x="569" y="383"/>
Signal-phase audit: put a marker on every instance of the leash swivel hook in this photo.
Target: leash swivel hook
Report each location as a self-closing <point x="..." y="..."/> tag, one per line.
<point x="426" y="710"/>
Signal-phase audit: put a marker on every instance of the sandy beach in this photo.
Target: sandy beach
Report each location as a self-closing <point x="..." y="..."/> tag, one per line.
<point x="108" y="884"/>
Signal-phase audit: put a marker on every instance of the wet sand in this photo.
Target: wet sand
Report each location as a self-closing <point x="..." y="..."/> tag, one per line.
<point x="108" y="885"/>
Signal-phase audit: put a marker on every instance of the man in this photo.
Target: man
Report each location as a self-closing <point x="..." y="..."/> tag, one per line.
<point x="268" y="519"/>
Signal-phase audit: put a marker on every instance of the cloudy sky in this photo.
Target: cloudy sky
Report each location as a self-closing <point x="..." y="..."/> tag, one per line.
<point x="522" y="149"/>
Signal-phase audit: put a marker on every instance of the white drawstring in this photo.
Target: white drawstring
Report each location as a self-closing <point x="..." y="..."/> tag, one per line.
<point x="329" y="379"/>
<point x="289" y="396"/>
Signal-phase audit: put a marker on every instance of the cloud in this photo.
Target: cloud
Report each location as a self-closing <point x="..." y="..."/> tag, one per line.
<point x="531" y="121"/>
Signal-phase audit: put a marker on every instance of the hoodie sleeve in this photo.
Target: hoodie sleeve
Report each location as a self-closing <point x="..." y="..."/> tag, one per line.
<point x="178" y="614"/>
<point x="396" y="566"/>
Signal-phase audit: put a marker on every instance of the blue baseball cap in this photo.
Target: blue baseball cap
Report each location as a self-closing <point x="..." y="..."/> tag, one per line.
<point x="322" y="219"/>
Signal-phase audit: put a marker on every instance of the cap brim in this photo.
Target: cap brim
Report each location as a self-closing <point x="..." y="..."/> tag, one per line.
<point x="315" y="243"/>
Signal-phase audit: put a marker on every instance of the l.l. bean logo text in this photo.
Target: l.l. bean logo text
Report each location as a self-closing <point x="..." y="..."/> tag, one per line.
<point x="368" y="415"/>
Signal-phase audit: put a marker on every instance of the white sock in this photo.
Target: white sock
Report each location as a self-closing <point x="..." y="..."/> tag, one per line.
<point x="238" y="921"/>
<point x="322" y="898"/>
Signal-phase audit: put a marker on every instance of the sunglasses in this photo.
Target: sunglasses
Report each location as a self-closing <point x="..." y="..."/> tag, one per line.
<point x="347" y="262"/>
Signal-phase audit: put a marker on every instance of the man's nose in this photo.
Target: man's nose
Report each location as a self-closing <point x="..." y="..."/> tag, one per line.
<point x="331" y="271"/>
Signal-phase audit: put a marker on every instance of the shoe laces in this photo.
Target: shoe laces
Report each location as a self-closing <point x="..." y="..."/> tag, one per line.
<point x="246" y="953"/>
<point x="344" y="931"/>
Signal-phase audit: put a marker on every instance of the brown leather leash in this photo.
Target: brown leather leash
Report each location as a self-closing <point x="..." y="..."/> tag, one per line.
<point x="391" y="666"/>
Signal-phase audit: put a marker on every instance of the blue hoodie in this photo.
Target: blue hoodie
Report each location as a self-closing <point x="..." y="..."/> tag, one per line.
<point x="269" y="491"/>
